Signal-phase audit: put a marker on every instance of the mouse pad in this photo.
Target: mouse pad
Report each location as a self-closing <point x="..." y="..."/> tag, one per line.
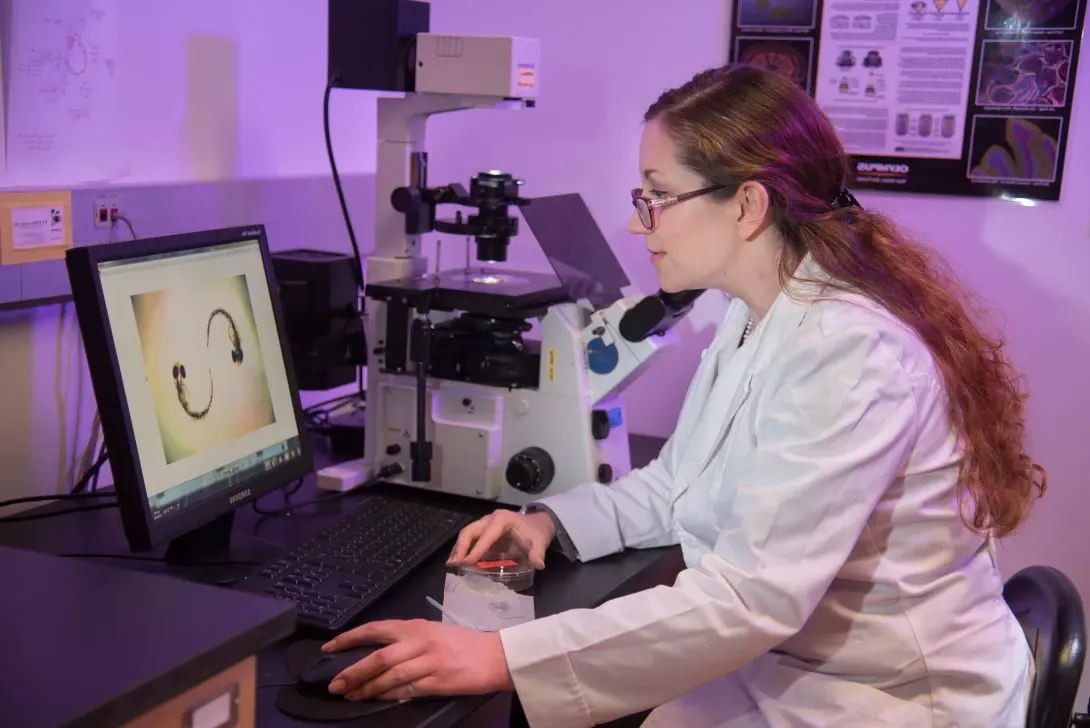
<point x="332" y="708"/>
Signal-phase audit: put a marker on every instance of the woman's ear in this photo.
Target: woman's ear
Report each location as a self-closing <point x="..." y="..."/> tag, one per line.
<point x="754" y="206"/>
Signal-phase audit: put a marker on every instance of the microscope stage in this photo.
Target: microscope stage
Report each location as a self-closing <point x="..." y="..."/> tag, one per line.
<point x="488" y="293"/>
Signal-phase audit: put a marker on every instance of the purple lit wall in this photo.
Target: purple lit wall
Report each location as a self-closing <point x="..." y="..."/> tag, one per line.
<point x="235" y="97"/>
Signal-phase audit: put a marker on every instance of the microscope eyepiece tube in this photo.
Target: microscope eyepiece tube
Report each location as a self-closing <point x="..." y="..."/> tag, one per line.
<point x="656" y="314"/>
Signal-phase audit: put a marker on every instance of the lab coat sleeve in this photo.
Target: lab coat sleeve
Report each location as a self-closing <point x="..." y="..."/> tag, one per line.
<point x="832" y="435"/>
<point x="634" y="512"/>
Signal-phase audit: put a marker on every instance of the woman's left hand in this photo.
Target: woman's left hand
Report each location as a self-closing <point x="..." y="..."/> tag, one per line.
<point x="421" y="658"/>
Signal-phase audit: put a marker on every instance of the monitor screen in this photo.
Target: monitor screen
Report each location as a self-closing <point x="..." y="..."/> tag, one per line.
<point x="205" y="383"/>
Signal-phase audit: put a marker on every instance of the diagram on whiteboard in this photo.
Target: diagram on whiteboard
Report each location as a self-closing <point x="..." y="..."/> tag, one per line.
<point x="65" y="119"/>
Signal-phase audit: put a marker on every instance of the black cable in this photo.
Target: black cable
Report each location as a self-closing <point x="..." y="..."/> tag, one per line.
<point x="288" y="490"/>
<point x="383" y="473"/>
<point x="51" y="514"/>
<point x="160" y="559"/>
<point x="102" y="456"/>
<point x="317" y="415"/>
<point x="76" y="494"/>
<point x="358" y="270"/>
<point x="58" y="496"/>
<point x="328" y="402"/>
<point x="128" y="224"/>
<point x="321" y="417"/>
<point x="85" y="480"/>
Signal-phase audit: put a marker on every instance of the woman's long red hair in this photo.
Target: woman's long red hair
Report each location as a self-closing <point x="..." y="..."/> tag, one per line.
<point x="738" y="123"/>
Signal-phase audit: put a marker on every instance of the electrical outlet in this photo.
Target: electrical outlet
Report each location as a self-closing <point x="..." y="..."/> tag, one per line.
<point x="102" y="211"/>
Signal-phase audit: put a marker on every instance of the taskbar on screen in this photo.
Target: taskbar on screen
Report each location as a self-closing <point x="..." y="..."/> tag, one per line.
<point x="222" y="479"/>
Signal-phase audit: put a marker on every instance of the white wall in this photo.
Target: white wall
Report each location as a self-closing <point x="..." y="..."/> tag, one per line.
<point x="213" y="91"/>
<point x="603" y="62"/>
<point x="221" y="90"/>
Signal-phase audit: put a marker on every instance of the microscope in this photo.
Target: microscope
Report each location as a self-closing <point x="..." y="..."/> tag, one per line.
<point x="459" y="399"/>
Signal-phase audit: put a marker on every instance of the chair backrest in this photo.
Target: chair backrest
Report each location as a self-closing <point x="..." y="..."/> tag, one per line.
<point x="1049" y="609"/>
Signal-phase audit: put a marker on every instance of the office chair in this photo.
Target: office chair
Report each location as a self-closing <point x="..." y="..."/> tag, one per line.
<point x="1049" y="609"/>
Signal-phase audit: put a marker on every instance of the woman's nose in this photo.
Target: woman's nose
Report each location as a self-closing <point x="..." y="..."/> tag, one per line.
<point x="635" y="226"/>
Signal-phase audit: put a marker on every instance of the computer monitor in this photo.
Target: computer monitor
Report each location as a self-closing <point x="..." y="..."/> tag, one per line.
<point x="199" y="407"/>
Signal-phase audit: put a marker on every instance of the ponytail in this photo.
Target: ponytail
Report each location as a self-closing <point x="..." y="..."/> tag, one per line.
<point x="865" y="253"/>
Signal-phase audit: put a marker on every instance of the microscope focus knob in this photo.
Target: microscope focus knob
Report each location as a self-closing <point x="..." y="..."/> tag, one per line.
<point x="407" y="199"/>
<point x="530" y="470"/>
<point x="599" y="424"/>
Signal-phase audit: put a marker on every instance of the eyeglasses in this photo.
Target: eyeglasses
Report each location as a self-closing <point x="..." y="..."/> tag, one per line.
<point x="645" y="206"/>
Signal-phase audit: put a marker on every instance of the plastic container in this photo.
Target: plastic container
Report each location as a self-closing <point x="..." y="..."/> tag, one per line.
<point x="513" y="570"/>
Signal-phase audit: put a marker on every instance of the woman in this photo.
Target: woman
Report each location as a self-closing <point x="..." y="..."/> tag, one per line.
<point x="851" y="445"/>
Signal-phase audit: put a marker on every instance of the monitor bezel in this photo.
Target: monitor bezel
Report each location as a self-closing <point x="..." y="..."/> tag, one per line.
<point x="142" y="532"/>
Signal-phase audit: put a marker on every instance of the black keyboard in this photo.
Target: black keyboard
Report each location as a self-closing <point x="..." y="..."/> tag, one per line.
<point x="340" y="572"/>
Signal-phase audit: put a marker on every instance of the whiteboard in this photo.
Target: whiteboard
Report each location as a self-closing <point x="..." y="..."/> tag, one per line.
<point x="64" y="121"/>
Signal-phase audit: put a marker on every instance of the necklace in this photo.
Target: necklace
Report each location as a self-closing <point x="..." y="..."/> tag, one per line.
<point x="745" y="334"/>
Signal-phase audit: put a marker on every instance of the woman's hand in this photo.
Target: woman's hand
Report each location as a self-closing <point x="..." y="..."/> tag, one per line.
<point x="421" y="658"/>
<point x="532" y="532"/>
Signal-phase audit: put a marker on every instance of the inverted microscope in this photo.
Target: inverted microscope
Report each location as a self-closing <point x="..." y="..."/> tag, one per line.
<point x="458" y="394"/>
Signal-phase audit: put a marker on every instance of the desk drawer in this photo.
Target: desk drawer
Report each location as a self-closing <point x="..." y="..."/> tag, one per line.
<point x="225" y="700"/>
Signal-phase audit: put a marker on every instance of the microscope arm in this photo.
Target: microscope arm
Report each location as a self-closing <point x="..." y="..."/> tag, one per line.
<point x="402" y="161"/>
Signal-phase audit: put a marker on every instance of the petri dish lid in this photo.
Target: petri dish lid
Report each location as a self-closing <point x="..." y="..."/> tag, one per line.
<point x="502" y="567"/>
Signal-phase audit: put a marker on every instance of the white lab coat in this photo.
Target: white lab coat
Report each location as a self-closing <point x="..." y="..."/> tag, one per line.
<point x="811" y="483"/>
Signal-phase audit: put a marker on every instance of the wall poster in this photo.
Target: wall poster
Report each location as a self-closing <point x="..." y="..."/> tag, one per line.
<point x="954" y="97"/>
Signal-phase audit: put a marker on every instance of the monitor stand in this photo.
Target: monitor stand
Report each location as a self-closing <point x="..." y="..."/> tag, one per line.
<point x="207" y="555"/>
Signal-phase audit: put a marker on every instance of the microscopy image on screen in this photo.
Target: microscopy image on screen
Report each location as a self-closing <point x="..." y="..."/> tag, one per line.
<point x="203" y="364"/>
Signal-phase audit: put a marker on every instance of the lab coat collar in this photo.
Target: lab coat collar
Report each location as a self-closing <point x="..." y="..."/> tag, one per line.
<point x="787" y="311"/>
<point x="725" y="378"/>
<point x="712" y="359"/>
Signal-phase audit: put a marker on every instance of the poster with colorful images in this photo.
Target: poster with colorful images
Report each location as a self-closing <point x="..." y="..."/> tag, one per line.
<point x="954" y="97"/>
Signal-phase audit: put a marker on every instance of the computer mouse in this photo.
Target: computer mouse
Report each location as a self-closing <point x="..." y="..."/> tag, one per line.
<point x="314" y="679"/>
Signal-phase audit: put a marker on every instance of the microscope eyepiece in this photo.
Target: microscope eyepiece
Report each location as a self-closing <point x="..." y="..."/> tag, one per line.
<point x="656" y="314"/>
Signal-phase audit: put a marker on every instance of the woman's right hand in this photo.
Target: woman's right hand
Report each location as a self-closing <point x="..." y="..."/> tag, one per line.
<point x="532" y="532"/>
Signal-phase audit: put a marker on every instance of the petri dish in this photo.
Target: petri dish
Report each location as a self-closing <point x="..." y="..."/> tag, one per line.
<point x="512" y="569"/>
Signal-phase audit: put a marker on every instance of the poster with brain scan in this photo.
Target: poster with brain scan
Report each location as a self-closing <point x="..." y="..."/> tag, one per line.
<point x="952" y="97"/>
